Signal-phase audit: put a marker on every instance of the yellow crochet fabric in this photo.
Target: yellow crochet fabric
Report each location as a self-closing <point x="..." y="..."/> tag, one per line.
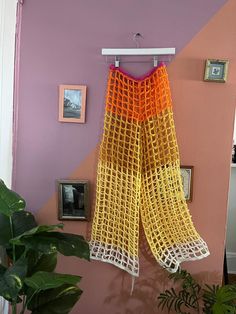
<point x="139" y="178"/>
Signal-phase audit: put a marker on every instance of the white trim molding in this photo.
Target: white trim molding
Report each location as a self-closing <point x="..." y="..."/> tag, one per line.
<point x="7" y="53"/>
<point x="8" y="10"/>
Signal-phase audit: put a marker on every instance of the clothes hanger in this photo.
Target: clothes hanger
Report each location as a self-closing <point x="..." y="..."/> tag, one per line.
<point x="154" y="52"/>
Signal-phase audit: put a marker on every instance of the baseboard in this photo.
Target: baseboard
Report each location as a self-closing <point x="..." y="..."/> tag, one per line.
<point x="231" y="262"/>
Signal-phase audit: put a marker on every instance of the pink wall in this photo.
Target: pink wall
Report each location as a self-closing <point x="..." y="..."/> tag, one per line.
<point x="60" y="44"/>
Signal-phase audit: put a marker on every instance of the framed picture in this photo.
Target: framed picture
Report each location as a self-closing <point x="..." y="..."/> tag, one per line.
<point x="72" y="103"/>
<point x="73" y="200"/>
<point x="216" y="70"/>
<point x="187" y="180"/>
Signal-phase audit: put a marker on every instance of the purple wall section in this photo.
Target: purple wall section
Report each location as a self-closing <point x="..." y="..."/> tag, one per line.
<point x="60" y="44"/>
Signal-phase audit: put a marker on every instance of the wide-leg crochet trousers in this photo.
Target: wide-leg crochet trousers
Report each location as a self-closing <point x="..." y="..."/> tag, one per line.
<point x="138" y="178"/>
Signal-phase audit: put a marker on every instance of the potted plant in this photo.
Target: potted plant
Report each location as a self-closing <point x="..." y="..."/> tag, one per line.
<point x="29" y="281"/>
<point x="200" y="299"/>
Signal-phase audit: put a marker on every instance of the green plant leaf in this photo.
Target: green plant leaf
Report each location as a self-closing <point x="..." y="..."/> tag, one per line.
<point x="209" y="297"/>
<point x="187" y="298"/>
<point x="10" y="201"/>
<point x="5" y="230"/>
<point x="71" y="244"/>
<point x="23" y="221"/>
<point x="50" y="242"/>
<point x="2" y="270"/>
<point x="40" y="262"/>
<point x="173" y="301"/>
<point x="188" y="283"/>
<point x="223" y="309"/>
<point x="35" y="256"/>
<point x="45" y="280"/>
<point x="35" y="231"/>
<point x="11" y="282"/>
<point x="220" y="299"/>
<point x="226" y="294"/>
<point x="55" y="301"/>
<point x="47" y="262"/>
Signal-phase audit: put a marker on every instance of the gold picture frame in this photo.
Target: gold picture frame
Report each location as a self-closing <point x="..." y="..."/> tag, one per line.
<point x="216" y="70"/>
<point x="187" y="181"/>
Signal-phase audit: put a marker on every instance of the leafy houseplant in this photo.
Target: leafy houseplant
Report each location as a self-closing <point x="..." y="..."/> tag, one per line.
<point x="28" y="281"/>
<point x="207" y="299"/>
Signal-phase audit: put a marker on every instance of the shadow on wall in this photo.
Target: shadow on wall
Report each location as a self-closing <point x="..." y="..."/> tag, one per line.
<point x="152" y="281"/>
<point x="148" y="286"/>
<point x="146" y="290"/>
<point x="109" y="286"/>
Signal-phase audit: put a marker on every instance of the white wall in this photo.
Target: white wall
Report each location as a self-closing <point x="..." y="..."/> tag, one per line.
<point x="231" y="224"/>
<point x="7" y="49"/>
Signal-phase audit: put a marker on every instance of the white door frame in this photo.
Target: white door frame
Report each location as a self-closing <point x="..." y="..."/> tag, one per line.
<point x="7" y="55"/>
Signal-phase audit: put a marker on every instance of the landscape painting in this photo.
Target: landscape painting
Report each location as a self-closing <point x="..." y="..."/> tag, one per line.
<point x="72" y="102"/>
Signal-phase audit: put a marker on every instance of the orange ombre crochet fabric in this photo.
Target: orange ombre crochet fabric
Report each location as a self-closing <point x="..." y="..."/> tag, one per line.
<point x="138" y="178"/>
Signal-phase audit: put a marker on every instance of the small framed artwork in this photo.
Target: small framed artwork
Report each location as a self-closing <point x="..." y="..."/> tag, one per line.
<point x="73" y="200"/>
<point x="187" y="180"/>
<point x="216" y="70"/>
<point x="72" y="103"/>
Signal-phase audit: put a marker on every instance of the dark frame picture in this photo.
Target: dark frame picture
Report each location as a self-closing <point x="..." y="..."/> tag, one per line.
<point x="216" y="70"/>
<point x="187" y="180"/>
<point x="73" y="201"/>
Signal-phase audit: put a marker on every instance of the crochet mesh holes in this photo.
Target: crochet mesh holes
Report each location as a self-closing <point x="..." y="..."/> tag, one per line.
<point x="139" y="164"/>
<point x="116" y="224"/>
<point x="159" y="146"/>
<point x="118" y="179"/>
<point x="163" y="199"/>
<point x="138" y="100"/>
<point x="122" y="96"/>
<point x="121" y="143"/>
<point x="165" y="216"/>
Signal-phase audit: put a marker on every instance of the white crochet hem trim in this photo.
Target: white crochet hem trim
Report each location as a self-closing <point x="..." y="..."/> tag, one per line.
<point x="184" y="252"/>
<point x="170" y="259"/>
<point x="116" y="256"/>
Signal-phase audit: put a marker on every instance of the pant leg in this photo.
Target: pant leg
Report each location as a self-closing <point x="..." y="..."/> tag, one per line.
<point x="116" y="219"/>
<point x="166" y="219"/>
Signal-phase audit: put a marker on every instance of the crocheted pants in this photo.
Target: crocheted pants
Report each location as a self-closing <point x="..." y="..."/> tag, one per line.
<point x="138" y="178"/>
